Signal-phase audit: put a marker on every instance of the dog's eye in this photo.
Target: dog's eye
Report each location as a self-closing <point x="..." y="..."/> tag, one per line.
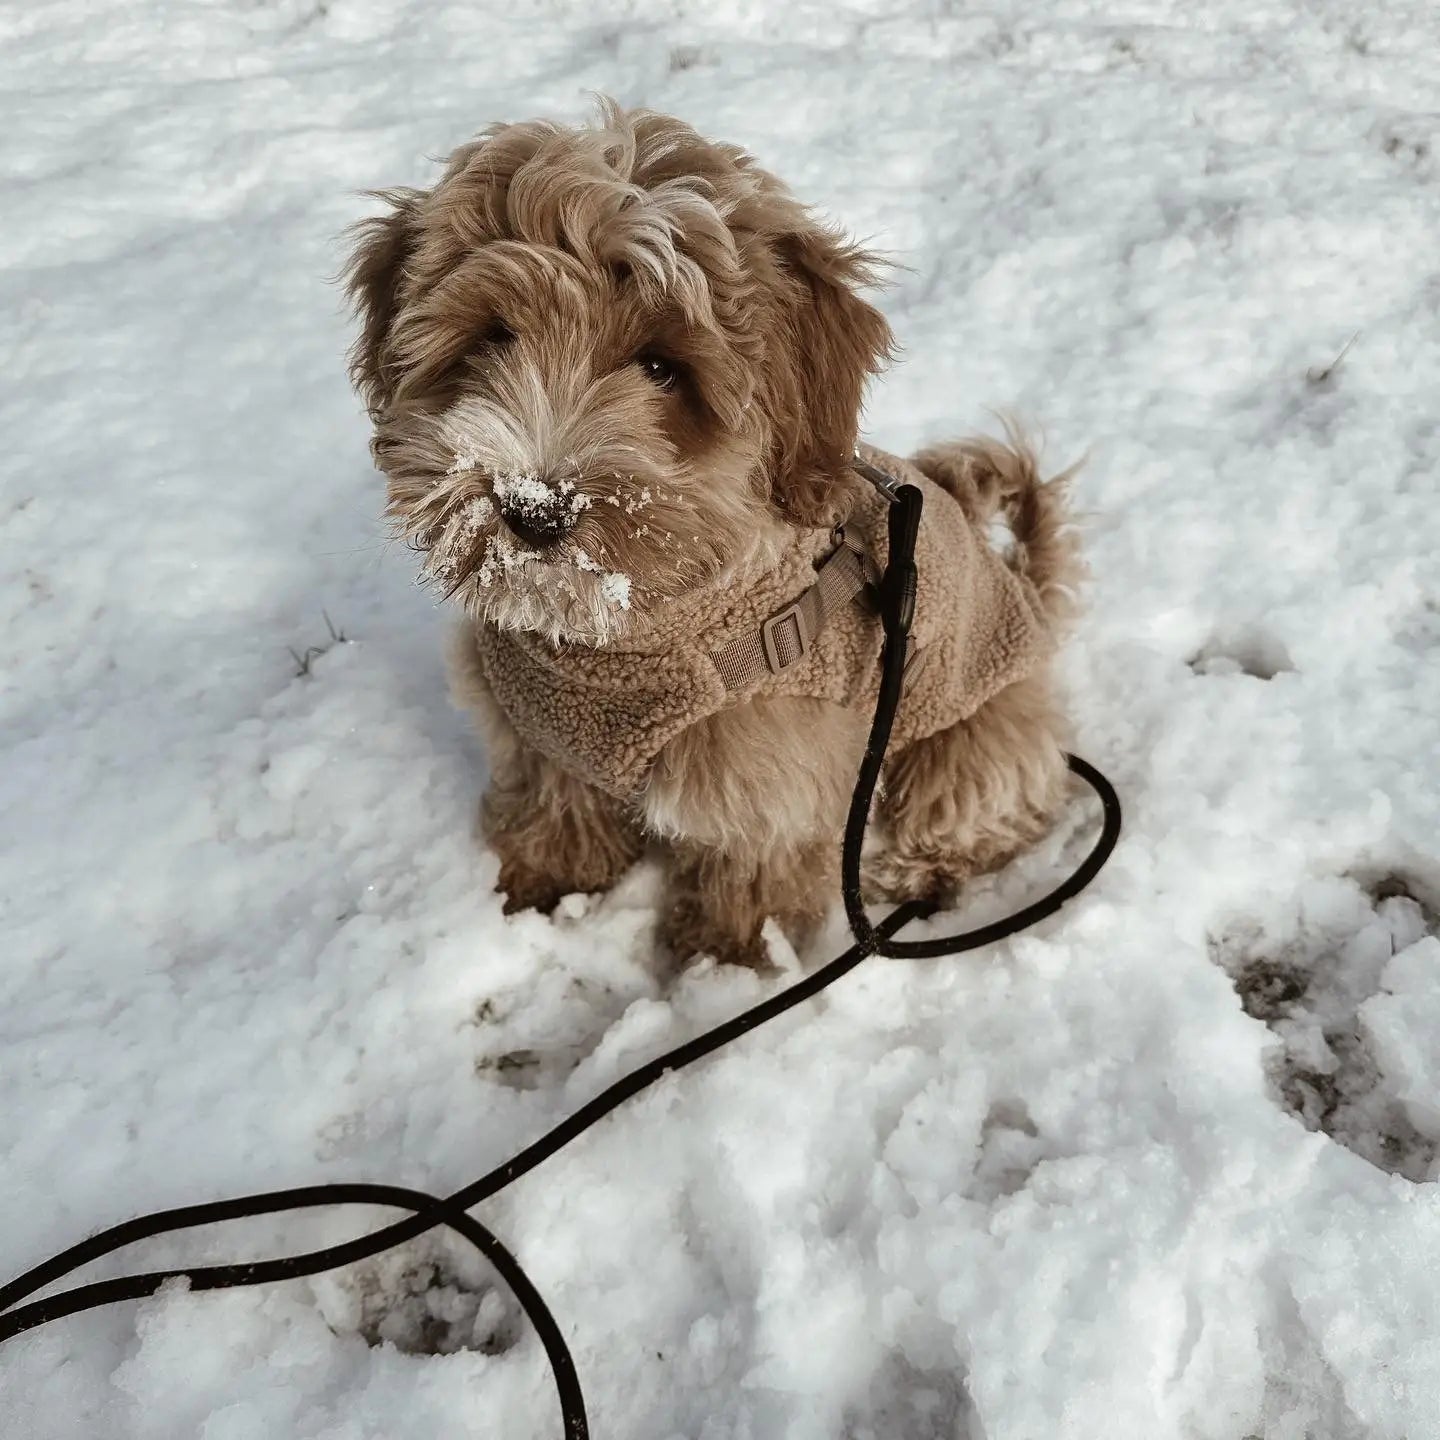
<point x="658" y="370"/>
<point x="498" y="333"/>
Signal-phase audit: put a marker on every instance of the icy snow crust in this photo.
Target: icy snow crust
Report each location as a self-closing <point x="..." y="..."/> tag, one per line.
<point x="1064" y="1188"/>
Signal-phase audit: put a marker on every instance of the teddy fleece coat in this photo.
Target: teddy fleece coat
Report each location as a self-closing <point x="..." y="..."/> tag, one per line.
<point x="606" y="712"/>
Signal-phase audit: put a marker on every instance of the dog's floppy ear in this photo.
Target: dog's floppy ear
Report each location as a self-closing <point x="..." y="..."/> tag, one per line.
<point x="373" y="275"/>
<point x="829" y="343"/>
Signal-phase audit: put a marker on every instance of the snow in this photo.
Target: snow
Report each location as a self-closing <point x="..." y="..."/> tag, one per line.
<point x="531" y="495"/>
<point x="1164" y="1166"/>
<point x="615" y="587"/>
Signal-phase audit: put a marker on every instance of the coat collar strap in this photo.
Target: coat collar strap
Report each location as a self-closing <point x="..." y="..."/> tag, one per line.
<point x="786" y="637"/>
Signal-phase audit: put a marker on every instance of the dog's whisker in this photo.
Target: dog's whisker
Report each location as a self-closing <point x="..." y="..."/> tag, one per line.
<point x="464" y="571"/>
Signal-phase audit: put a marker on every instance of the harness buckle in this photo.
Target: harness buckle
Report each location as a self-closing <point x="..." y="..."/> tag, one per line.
<point x="785" y="638"/>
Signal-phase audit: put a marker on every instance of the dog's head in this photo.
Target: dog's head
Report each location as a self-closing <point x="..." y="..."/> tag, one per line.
<point x="605" y="366"/>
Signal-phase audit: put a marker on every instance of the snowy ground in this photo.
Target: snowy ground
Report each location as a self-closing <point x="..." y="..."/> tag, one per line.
<point x="1164" y="1167"/>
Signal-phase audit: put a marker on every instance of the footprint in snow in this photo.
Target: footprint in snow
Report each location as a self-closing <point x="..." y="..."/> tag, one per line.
<point x="1352" y="994"/>
<point x="526" y="1046"/>
<point x="1243" y="650"/>
<point x="918" y="1404"/>
<point x="423" y="1299"/>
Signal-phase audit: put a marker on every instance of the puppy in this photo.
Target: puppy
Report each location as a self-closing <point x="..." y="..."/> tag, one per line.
<point x="615" y="375"/>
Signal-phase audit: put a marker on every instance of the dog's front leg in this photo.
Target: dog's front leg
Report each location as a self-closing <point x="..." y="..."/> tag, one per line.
<point x="719" y="900"/>
<point x="753" y="800"/>
<point x="554" y="833"/>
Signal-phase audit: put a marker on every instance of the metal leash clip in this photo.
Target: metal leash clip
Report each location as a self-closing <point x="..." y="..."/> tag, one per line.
<point x="887" y="485"/>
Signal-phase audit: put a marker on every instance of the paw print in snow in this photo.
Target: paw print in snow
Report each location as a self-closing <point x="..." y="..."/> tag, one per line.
<point x="1353" y="998"/>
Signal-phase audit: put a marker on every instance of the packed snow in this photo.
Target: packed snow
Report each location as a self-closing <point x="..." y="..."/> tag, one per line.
<point x="1164" y="1166"/>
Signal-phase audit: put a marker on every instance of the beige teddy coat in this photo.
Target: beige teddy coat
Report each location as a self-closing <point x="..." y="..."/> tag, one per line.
<point x="606" y="712"/>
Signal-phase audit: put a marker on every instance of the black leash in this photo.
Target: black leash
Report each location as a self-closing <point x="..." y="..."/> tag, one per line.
<point x="897" y="602"/>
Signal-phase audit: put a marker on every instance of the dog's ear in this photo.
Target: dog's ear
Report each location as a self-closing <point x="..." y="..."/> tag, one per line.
<point x="830" y="341"/>
<point x="373" y="275"/>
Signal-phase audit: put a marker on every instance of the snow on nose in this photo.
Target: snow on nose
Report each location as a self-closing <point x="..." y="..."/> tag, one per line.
<point x="540" y="512"/>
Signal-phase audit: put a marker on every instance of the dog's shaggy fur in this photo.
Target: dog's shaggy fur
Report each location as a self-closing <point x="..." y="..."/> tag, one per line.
<point x="636" y="339"/>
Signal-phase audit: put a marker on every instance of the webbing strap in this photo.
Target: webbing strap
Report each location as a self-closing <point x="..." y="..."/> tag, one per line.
<point x="786" y="637"/>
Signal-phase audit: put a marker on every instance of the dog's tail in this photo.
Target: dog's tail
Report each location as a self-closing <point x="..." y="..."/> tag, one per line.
<point x="1001" y="479"/>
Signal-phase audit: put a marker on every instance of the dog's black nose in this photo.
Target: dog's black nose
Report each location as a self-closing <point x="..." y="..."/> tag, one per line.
<point x="537" y="513"/>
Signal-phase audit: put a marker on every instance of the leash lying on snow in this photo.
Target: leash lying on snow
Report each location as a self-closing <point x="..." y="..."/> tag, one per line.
<point x="897" y="591"/>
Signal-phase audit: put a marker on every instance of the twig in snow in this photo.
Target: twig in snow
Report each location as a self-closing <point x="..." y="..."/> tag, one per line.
<point x="313" y="652"/>
<point x="1319" y="377"/>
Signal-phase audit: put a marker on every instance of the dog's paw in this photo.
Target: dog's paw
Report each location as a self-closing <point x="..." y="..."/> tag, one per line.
<point x="684" y="934"/>
<point x="527" y="889"/>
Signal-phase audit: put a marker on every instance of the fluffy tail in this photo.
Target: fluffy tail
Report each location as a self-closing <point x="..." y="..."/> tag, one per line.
<point x="1001" y="478"/>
